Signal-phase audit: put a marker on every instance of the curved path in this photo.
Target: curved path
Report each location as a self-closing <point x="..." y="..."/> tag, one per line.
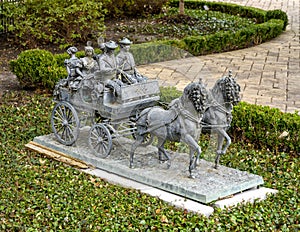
<point x="269" y="74"/>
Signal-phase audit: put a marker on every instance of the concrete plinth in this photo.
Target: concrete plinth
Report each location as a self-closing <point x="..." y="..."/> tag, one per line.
<point x="209" y="184"/>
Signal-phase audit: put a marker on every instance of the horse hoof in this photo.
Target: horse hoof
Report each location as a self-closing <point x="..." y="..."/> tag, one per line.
<point x="192" y="176"/>
<point x="168" y="165"/>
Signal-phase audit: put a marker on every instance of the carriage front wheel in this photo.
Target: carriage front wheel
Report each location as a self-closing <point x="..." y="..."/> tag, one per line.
<point x="65" y="123"/>
<point x="100" y="140"/>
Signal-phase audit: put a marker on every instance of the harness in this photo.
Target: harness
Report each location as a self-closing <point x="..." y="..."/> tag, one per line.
<point x="187" y="115"/>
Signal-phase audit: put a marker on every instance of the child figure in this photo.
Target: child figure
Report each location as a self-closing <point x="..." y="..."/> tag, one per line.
<point x="73" y="66"/>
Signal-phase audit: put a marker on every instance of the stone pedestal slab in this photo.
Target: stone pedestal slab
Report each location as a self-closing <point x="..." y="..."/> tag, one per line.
<point x="209" y="184"/>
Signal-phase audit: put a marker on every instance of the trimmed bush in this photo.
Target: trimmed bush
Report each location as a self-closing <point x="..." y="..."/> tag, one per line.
<point x="155" y="52"/>
<point x="228" y="8"/>
<point x="266" y="127"/>
<point x="37" y="68"/>
<point x="278" y="14"/>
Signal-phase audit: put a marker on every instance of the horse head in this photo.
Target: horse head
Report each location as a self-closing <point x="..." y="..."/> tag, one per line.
<point x="228" y="89"/>
<point x="197" y="94"/>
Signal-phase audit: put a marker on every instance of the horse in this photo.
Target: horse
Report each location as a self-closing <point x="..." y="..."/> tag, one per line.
<point x="180" y="123"/>
<point x="218" y="116"/>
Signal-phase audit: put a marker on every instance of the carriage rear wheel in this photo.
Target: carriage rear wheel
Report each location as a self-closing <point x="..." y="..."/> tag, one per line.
<point x="65" y="123"/>
<point x="148" y="139"/>
<point x="100" y="140"/>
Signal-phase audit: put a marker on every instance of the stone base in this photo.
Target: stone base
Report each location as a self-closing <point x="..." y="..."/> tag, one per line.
<point x="209" y="185"/>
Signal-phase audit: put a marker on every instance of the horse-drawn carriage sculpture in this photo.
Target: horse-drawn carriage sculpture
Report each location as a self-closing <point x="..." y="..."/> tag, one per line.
<point x="118" y="109"/>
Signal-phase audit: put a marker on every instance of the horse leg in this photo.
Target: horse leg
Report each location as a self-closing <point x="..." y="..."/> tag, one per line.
<point x="193" y="146"/>
<point x="134" y="146"/>
<point x="162" y="151"/>
<point x="220" y="150"/>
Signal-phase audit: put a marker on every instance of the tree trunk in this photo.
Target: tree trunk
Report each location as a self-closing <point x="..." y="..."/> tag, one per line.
<point x="181" y="7"/>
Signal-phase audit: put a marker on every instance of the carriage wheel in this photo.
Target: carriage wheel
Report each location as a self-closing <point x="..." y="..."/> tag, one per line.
<point x="100" y="140"/>
<point x="148" y="139"/>
<point x="65" y="123"/>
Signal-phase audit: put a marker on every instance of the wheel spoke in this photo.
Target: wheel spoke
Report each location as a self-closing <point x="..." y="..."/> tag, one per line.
<point x="58" y="128"/>
<point x="70" y="133"/>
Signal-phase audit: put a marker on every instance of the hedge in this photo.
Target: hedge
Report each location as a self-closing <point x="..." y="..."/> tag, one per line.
<point x="58" y="22"/>
<point x="266" y="127"/>
<point x="269" y="25"/>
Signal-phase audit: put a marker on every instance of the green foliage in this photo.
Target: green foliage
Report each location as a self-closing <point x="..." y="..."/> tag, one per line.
<point x="225" y="41"/>
<point x="167" y="94"/>
<point x="39" y="194"/>
<point x="229" y="8"/>
<point x="120" y="8"/>
<point x="264" y="126"/>
<point x="270" y="24"/>
<point x="170" y="25"/>
<point x="147" y="53"/>
<point x="277" y="14"/>
<point x="55" y="21"/>
<point x="37" y="69"/>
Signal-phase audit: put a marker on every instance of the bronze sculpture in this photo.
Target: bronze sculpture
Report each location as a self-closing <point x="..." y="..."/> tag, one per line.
<point x="181" y="123"/>
<point x="217" y="118"/>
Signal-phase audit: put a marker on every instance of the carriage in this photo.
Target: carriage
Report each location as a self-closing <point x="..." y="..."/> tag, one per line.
<point x="108" y="114"/>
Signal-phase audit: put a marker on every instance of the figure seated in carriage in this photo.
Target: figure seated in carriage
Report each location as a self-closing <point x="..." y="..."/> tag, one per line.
<point x="126" y="64"/>
<point x="95" y="72"/>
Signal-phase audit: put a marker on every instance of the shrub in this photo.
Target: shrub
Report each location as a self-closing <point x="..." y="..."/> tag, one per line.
<point x="155" y="52"/>
<point x="39" y="22"/>
<point x="120" y="8"/>
<point x="264" y="127"/>
<point x="37" y="69"/>
<point x="277" y="14"/>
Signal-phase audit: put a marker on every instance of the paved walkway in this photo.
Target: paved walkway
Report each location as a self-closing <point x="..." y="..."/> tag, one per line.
<point x="269" y="74"/>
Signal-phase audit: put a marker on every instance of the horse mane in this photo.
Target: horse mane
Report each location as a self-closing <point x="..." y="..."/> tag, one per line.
<point x="197" y="94"/>
<point x="229" y="88"/>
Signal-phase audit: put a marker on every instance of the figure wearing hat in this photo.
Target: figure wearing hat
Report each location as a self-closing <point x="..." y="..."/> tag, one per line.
<point x="126" y="64"/>
<point x="108" y="66"/>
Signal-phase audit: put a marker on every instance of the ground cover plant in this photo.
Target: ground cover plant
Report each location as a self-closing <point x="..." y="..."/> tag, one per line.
<point x="170" y="25"/>
<point x="40" y="194"/>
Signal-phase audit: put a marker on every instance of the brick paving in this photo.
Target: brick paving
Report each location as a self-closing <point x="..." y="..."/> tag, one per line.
<point x="269" y="74"/>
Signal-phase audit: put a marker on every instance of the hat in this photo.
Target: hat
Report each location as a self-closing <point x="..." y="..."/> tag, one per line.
<point x="72" y="50"/>
<point x="111" y="45"/>
<point x="125" y="41"/>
